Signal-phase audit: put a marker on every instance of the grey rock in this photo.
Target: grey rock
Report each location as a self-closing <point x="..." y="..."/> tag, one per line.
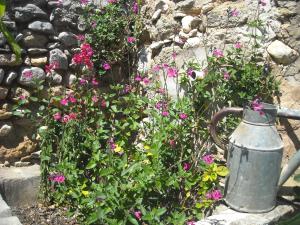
<point x="37" y="51"/>
<point x="55" y="78"/>
<point x="5" y="129"/>
<point x="30" y="76"/>
<point x="19" y="37"/>
<point x="22" y="164"/>
<point x="12" y="75"/>
<point x="166" y="28"/>
<point x="3" y="92"/>
<point x="33" y="40"/>
<point x="57" y="56"/>
<point x="282" y="53"/>
<point x="156" y="15"/>
<point x="68" y="39"/>
<point x="2" y="73"/>
<point x="19" y="186"/>
<point x="54" y="45"/>
<point x="70" y="79"/>
<point x="4" y="208"/>
<point x="9" y="60"/>
<point x="2" y="40"/>
<point x="11" y="25"/>
<point x="40" y="26"/>
<point x="35" y="2"/>
<point x="29" y="12"/>
<point x="12" y="220"/>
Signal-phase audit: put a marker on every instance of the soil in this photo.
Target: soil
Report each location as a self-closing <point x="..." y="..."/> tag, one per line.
<point x="43" y="215"/>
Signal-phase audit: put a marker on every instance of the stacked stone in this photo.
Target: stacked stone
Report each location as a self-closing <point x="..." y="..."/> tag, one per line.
<point x="47" y="33"/>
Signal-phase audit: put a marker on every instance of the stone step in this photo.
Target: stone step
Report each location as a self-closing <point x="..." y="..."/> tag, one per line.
<point x="12" y="220"/>
<point x="20" y="185"/>
<point x="4" y="209"/>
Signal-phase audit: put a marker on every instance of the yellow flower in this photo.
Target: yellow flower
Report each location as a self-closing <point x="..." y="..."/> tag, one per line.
<point x="118" y="149"/>
<point x="147" y="147"/>
<point x="146" y="161"/>
<point x="85" y="193"/>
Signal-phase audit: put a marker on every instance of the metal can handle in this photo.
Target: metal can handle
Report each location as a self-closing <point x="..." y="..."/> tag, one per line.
<point x="214" y="122"/>
<point x="288" y="113"/>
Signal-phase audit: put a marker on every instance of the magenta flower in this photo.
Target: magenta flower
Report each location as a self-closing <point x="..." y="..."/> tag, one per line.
<point x="65" y="119"/>
<point x="135" y="8"/>
<point x="112" y="1"/>
<point x="156" y="68"/>
<point x="216" y="195"/>
<point x="130" y="40"/>
<point x="263" y="2"/>
<point x="22" y="97"/>
<point x="208" y="195"/>
<point x="57" y="116"/>
<point x="28" y="74"/>
<point x="257" y="106"/>
<point x="183" y="116"/>
<point x="138" y="215"/>
<point x="172" y="143"/>
<point x="138" y="78"/>
<point x="161" y="90"/>
<point x="218" y="53"/>
<point x="80" y="37"/>
<point x="208" y="159"/>
<point x="234" y="12"/>
<point x="190" y="72"/>
<point x="165" y="66"/>
<point x="226" y="75"/>
<point x="172" y="72"/>
<point x="72" y="99"/>
<point x="159" y="105"/>
<point x="106" y="66"/>
<point x="165" y="113"/>
<point x="57" y="178"/>
<point x="93" y="24"/>
<point x="64" y="101"/>
<point x="146" y="80"/>
<point x="72" y="116"/>
<point x="238" y="45"/>
<point x="103" y="104"/>
<point x="186" y="166"/>
<point x="83" y="81"/>
<point x="190" y="222"/>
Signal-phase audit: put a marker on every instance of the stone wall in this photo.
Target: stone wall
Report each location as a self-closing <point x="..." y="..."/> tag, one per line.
<point x="46" y="31"/>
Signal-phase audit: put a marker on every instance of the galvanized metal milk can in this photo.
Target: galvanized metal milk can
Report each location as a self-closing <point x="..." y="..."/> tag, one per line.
<point x="254" y="155"/>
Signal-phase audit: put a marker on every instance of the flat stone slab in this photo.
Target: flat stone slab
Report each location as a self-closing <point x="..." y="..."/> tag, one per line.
<point x="225" y="216"/>
<point x="20" y="185"/>
<point x="13" y="220"/>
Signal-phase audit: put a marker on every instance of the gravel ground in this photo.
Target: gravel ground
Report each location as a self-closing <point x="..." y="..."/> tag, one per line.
<point x="42" y="215"/>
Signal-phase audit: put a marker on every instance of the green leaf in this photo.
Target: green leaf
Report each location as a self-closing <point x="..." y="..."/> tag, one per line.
<point x="2" y="8"/>
<point x="161" y="211"/>
<point x="133" y="220"/>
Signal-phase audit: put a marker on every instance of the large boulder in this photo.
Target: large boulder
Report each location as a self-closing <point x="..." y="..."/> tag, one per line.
<point x="31" y="76"/>
<point x="42" y="27"/>
<point x="29" y="12"/>
<point x="59" y="58"/>
<point x="281" y="53"/>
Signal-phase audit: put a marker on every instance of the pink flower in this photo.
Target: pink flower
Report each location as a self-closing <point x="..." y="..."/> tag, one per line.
<point x="190" y="223"/>
<point x="72" y="99"/>
<point x="138" y="78"/>
<point x="49" y="68"/>
<point x="146" y="80"/>
<point x="234" y="13"/>
<point x="159" y="105"/>
<point x="112" y="1"/>
<point x="106" y="66"/>
<point x="186" y="166"/>
<point x="238" y="45"/>
<point x="130" y="40"/>
<point x="208" y="195"/>
<point x="172" y="143"/>
<point x="94" y="24"/>
<point x="138" y="215"/>
<point x="172" y="72"/>
<point x="263" y="2"/>
<point x="165" y="113"/>
<point x="135" y="8"/>
<point x="165" y="66"/>
<point x="65" y="119"/>
<point x="257" y="106"/>
<point x="57" y="116"/>
<point x="156" y="68"/>
<point x="183" y="116"/>
<point x="208" y="159"/>
<point x="80" y="37"/>
<point x="83" y="81"/>
<point x="22" y="97"/>
<point x="95" y="99"/>
<point x="28" y="74"/>
<point x="72" y="116"/>
<point x="64" y="101"/>
<point x="95" y="82"/>
<point x="174" y="54"/>
<point x="84" y="2"/>
<point x="226" y="75"/>
<point x="161" y="90"/>
<point x="103" y="104"/>
<point x="218" y="53"/>
<point x="216" y="195"/>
